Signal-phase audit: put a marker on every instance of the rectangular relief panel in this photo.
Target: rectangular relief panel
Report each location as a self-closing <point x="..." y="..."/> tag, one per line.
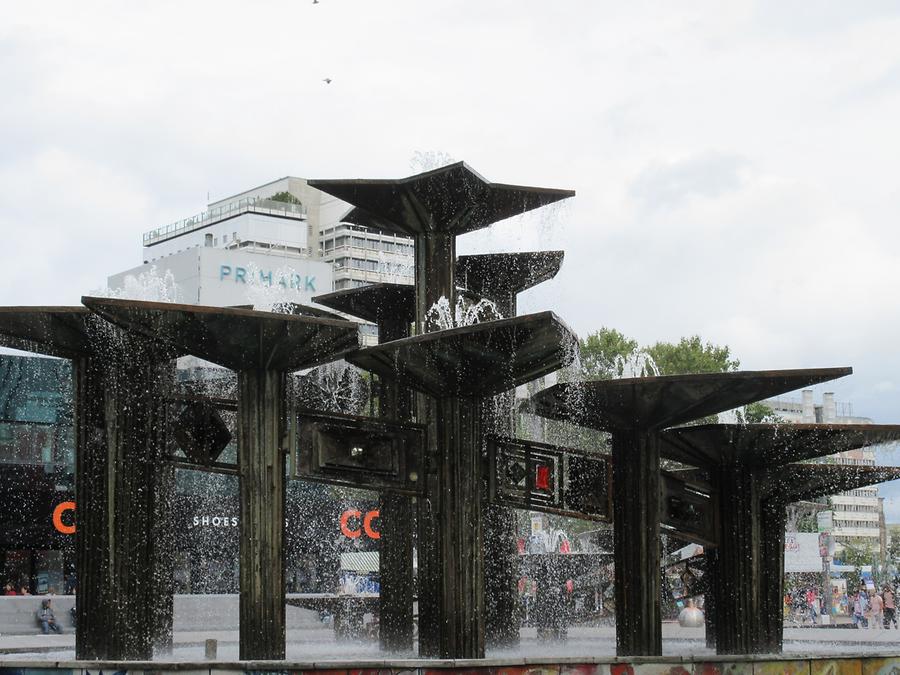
<point x="688" y="508"/>
<point x="360" y="452"/>
<point x="540" y="477"/>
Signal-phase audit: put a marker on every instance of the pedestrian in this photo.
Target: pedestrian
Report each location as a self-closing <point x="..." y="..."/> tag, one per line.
<point x="47" y="618"/>
<point x="812" y="602"/>
<point x="860" y="607"/>
<point x="9" y="589"/>
<point x="876" y="605"/>
<point x="24" y="591"/>
<point x="890" y="610"/>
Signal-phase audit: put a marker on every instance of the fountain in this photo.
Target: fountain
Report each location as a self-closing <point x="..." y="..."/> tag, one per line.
<point x="754" y="469"/>
<point x="442" y="456"/>
<point x="120" y="385"/>
<point x="261" y="347"/>
<point x="391" y="308"/>
<point x="635" y="410"/>
<point x="434" y="208"/>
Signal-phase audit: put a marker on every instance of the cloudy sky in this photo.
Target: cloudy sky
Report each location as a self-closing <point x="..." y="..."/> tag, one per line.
<point x="736" y="163"/>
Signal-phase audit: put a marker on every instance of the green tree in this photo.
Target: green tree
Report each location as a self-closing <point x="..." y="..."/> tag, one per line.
<point x="857" y="557"/>
<point x="692" y="355"/>
<point x="893" y="549"/>
<point x="808" y="523"/>
<point x="285" y="197"/>
<point x="600" y="350"/>
<point x="603" y="351"/>
<point x="759" y="412"/>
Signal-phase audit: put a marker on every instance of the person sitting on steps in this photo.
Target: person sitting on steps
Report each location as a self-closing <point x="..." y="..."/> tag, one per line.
<point x="47" y="618"/>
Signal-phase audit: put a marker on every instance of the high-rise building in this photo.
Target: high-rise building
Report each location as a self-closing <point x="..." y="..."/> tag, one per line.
<point x="858" y="514"/>
<point x="280" y="242"/>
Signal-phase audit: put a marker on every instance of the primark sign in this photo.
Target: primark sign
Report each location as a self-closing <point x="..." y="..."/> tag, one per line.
<point x="285" y="279"/>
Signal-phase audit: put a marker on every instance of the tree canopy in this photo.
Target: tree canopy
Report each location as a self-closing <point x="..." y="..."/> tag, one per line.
<point x="285" y="196"/>
<point x="607" y="353"/>
<point x="600" y="351"/>
<point x="603" y="351"/>
<point x="692" y="355"/>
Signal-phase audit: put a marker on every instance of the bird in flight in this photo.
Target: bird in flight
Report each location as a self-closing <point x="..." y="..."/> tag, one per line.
<point x="327" y="80"/>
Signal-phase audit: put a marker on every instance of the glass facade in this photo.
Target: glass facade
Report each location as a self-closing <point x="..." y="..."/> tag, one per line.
<point x="36" y="473"/>
<point x="37" y="494"/>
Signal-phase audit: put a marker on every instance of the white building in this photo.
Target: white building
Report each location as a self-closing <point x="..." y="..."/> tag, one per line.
<point x="858" y="514"/>
<point x="362" y="256"/>
<point x="252" y="249"/>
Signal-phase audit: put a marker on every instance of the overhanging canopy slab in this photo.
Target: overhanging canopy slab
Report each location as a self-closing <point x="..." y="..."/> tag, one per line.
<point x="375" y="302"/>
<point x="56" y="331"/>
<point x="475" y="361"/>
<point x="306" y="310"/>
<point x="493" y="275"/>
<point x="796" y="482"/>
<point x="453" y="199"/>
<point x="768" y="445"/>
<point x="297" y="308"/>
<point x="659" y="402"/>
<point x="239" y="339"/>
<point x="379" y="302"/>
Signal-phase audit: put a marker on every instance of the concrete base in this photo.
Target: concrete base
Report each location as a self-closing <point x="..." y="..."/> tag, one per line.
<point x="658" y="665"/>
<point x="192" y="613"/>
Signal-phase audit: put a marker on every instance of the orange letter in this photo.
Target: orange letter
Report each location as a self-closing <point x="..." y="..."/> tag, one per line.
<point x="345" y="517"/>
<point x="57" y="518"/>
<point x="367" y="525"/>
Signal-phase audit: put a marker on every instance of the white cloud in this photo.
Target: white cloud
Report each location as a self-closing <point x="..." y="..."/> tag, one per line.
<point x="735" y="164"/>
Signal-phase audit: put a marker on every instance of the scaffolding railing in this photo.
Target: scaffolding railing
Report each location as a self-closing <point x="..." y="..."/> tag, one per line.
<point x="230" y="210"/>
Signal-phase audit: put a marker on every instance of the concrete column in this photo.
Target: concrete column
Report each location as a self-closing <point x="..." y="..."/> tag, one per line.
<point x="501" y="559"/>
<point x="91" y="492"/>
<point x="636" y="489"/>
<point x="451" y="563"/>
<point x="501" y="577"/>
<point x="435" y="264"/>
<point x="121" y="493"/>
<point x="736" y="586"/>
<point x="709" y="596"/>
<point x="829" y="409"/>
<point x="773" y="516"/>
<point x="450" y="553"/>
<point x="396" y="573"/>
<point x="260" y="421"/>
<point x="397" y="525"/>
<point x="164" y="561"/>
<point x="137" y="495"/>
<point x="808" y="410"/>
